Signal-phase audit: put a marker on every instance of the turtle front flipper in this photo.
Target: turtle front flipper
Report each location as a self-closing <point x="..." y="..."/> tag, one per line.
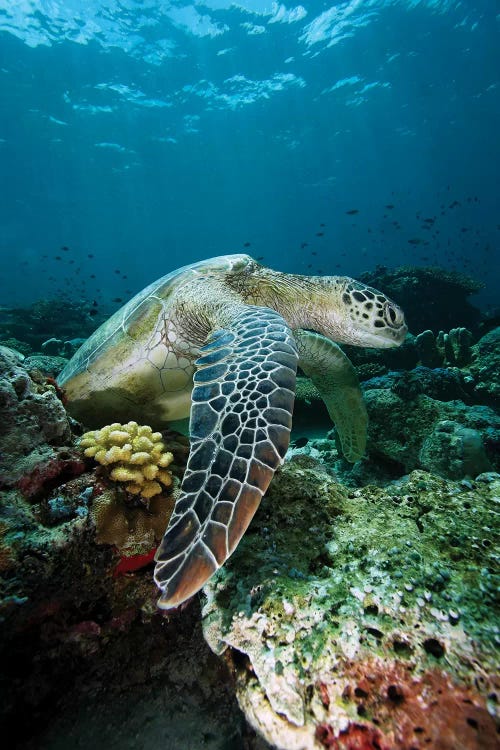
<point x="241" y="415"/>
<point x="337" y="382"/>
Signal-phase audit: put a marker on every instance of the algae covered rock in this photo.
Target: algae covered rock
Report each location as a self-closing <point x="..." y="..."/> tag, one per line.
<point x="454" y="451"/>
<point x="406" y="433"/>
<point x="48" y="364"/>
<point x="34" y="421"/>
<point x="363" y="618"/>
<point x="486" y="367"/>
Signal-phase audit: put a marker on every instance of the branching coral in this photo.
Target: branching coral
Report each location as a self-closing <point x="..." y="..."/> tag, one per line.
<point x="134" y="454"/>
<point x="453" y="348"/>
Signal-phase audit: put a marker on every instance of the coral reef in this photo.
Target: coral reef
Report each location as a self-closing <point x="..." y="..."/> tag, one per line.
<point x="354" y="615"/>
<point x="453" y="348"/>
<point x="59" y="348"/>
<point x="48" y="365"/>
<point x="363" y="618"/>
<point x="132" y="530"/>
<point x="451" y="438"/>
<point x="35" y="427"/>
<point x="454" y="451"/>
<point x="134" y="454"/>
<point x="432" y="297"/>
<point x="46" y="319"/>
<point x="16" y="344"/>
<point x="84" y="651"/>
<point x="486" y="368"/>
<point x="78" y="613"/>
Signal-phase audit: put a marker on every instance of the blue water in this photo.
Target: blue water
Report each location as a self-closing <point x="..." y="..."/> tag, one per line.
<point x="153" y="134"/>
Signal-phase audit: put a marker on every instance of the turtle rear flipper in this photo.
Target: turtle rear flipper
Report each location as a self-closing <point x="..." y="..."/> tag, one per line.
<point x="241" y="415"/>
<point x="337" y="382"/>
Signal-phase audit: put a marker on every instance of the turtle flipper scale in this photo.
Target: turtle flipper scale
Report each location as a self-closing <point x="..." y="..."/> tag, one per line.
<point x="242" y="402"/>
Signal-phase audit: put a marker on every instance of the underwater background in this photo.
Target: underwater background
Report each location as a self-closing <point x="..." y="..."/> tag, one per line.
<point x="141" y="136"/>
<point x="360" y="610"/>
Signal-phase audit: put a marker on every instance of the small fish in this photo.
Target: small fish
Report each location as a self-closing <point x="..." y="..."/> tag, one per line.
<point x="95" y="303"/>
<point x="90" y="255"/>
<point x="303" y="245"/>
<point x="58" y="257"/>
<point x="352" y="211"/>
<point x="92" y="312"/>
<point x="117" y="299"/>
<point x="319" y="234"/>
<point x="92" y="275"/>
<point x="301" y="442"/>
<point x="117" y="270"/>
<point x="415" y="241"/>
<point x="65" y="248"/>
<point x="246" y="244"/>
<point x="314" y="252"/>
<point x="390" y="205"/>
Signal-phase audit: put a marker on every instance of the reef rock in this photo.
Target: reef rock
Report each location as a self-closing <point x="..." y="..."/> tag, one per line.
<point x="486" y="368"/>
<point x="34" y="423"/>
<point x="363" y="618"/>
<point x="409" y="429"/>
<point x="48" y="364"/>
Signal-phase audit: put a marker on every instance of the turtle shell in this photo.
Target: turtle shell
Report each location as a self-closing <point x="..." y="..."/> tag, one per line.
<point x="130" y="367"/>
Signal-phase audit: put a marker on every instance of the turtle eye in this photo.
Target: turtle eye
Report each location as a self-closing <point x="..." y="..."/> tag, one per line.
<point x="392" y="315"/>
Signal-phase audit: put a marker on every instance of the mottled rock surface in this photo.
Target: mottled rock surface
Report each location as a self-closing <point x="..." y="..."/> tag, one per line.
<point x="409" y="433"/>
<point x="33" y="419"/>
<point x="364" y="615"/>
<point x="486" y="368"/>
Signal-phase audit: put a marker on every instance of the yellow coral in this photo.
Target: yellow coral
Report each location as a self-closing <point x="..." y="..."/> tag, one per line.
<point x="135" y="455"/>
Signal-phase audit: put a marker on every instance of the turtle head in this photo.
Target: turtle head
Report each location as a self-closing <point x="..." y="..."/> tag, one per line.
<point x="362" y="316"/>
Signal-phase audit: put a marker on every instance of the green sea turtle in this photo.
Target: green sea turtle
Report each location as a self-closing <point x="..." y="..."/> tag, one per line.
<point x="221" y="340"/>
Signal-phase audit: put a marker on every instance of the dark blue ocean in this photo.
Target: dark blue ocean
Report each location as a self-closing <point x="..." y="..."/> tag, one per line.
<point x="136" y="137"/>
